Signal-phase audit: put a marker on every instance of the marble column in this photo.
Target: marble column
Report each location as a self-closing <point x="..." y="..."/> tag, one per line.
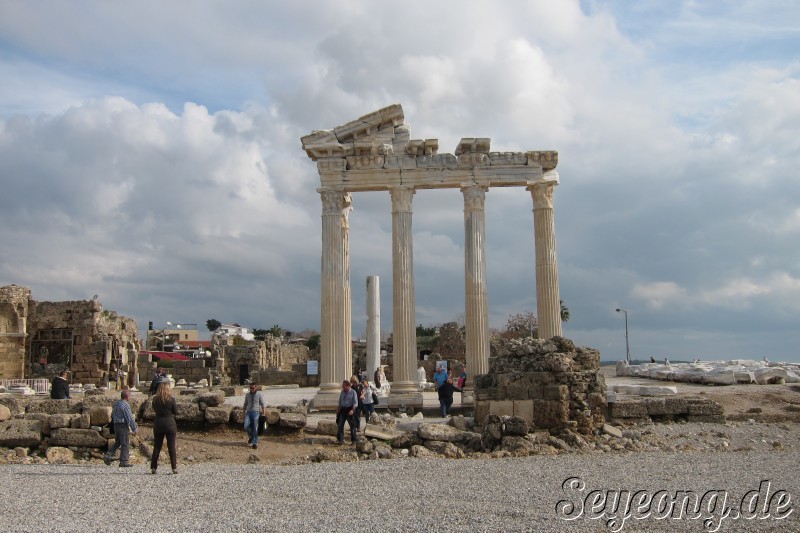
<point x="477" y="307"/>
<point x="404" y="327"/>
<point x="548" y="302"/>
<point x="373" y="325"/>
<point x="335" y="336"/>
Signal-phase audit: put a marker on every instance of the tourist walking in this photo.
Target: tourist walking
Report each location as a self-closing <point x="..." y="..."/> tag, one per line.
<point x="164" y="426"/>
<point x="356" y="386"/>
<point x="367" y="400"/>
<point x="253" y="407"/>
<point x="59" y="390"/>
<point x="124" y="424"/>
<point x="440" y="376"/>
<point x="446" y="396"/>
<point x="462" y="379"/>
<point x="346" y="408"/>
<point x="160" y="377"/>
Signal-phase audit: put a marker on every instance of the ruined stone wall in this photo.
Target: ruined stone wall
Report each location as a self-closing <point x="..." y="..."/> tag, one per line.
<point x="550" y="383"/>
<point x="102" y="342"/>
<point x="14" y="303"/>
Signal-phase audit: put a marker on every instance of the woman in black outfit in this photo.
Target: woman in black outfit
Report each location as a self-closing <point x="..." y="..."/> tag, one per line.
<point x="164" y="426"/>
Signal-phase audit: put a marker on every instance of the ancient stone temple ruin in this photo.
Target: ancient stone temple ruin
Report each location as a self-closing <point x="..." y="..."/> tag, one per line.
<point x="550" y="383"/>
<point x="39" y="339"/>
<point x="376" y="153"/>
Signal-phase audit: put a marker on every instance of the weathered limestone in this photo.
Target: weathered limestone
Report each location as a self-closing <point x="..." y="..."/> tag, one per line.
<point x="376" y="153"/>
<point x="373" y="325"/>
<point x="335" y="337"/>
<point x="404" y="326"/>
<point x="88" y="438"/>
<point x="477" y="306"/>
<point x="548" y="302"/>
<point x="23" y="433"/>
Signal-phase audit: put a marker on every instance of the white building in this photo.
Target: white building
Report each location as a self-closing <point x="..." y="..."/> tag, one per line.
<point x="228" y="331"/>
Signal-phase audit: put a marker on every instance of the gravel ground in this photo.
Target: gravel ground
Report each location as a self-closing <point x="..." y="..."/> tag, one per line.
<point x="404" y="494"/>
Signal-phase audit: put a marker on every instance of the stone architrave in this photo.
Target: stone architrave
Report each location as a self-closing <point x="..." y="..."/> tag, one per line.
<point x="373" y="325"/>
<point x="477" y="307"/>
<point x="404" y="326"/>
<point x="548" y="302"/>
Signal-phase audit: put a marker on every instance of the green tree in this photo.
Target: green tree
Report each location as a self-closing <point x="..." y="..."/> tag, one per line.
<point x="564" y="312"/>
<point x="313" y="342"/>
<point x="260" y="334"/>
<point x="238" y="340"/>
<point x="422" y="331"/>
<point x="451" y="343"/>
<point x="213" y="324"/>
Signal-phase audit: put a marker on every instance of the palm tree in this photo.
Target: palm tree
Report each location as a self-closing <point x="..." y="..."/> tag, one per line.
<point x="564" y="312"/>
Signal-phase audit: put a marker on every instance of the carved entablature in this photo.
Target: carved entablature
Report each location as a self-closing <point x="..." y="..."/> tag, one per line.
<point x="473" y="159"/>
<point x="376" y="152"/>
<point x="383" y="120"/>
<point x="423" y="147"/>
<point x="437" y="161"/>
<point x="364" y="162"/>
<point x="331" y="164"/>
<point x="508" y="158"/>
<point x="470" y="145"/>
<point x="548" y="160"/>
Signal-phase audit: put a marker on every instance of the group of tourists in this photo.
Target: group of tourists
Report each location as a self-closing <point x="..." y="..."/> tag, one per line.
<point x="356" y="398"/>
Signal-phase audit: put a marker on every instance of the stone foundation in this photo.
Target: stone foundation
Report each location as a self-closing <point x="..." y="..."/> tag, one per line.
<point x="551" y="384"/>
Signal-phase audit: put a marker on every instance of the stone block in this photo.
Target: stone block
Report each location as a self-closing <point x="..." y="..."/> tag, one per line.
<point x="491" y="432"/>
<point x="212" y="398"/>
<point x="502" y="408"/>
<point x="549" y="414"/>
<point x="555" y="392"/>
<point x="61" y="420"/>
<point x="515" y="426"/>
<point x="516" y="444"/>
<point x="83" y="421"/>
<point x="675" y="406"/>
<point x="703" y="407"/>
<point x="87" y="438"/>
<point x="524" y="410"/>
<point x="446" y="448"/>
<point x="326" y="427"/>
<point x="440" y="432"/>
<point x="292" y="420"/>
<point x="613" y="431"/>
<point x="189" y="412"/>
<point x="69" y="405"/>
<point x="481" y="410"/>
<point x="628" y="409"/>
<point x="377" y="432"/>
<point x="273" y="415"/>
<point x="218" y="415"/>
<point x="237" y="415"/>
<point x="20" y="432"/>
<point x="655" y="406"/>
<point x="5" y="413"/>
<point x="406" y="440"/>
<point x="100" y="416"/>
<point x="57" y="455"/>
<point x="43" y="418"/>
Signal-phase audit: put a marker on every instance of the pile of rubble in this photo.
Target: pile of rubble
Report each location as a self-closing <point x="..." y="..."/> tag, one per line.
<point x="550" y="383"/>
<point x="82" y="426"/>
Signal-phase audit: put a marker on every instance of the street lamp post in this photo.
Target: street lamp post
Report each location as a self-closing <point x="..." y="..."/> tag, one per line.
<point x="627" y="344"/>
<point x="164" y="337"/>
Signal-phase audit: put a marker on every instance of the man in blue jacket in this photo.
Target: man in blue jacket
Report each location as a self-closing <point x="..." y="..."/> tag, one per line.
<point x="122" y="418"/>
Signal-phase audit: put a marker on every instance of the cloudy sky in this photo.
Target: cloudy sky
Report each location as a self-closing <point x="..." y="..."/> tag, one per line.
<point x="150" y="154"/>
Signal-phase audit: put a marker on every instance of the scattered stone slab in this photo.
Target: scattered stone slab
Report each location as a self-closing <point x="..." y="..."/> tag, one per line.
<point x="51" y="407"/>
<point x="327" y="427"/>
<point x="16" y="404"/>
<point x="379" y="433"/>
<point x="77" y="437"/>
<point x="406" y="440"/>
<point x="292" y="420"/>
<point x="212" y="398"/>
<point x="20" y="432"/>
<point x="440" y="432"/>
<point x="613" y="431"/>
<point x="515" y="426"/>
<point x="218" y="415"/>
<point x="5" y="413"/>
<point x="273" y="415"/>
<point x="100" y="416"/>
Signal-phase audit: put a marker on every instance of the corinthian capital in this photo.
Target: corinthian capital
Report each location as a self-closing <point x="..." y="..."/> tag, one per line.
<point x="474" y="196"/>
<point x="401" y="199"/>
<point x="542" y="195"/>
<point x="336" y="202"/>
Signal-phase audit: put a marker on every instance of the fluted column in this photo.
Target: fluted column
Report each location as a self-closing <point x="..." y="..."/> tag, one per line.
<point x="548" y="302"/>
<point x="373" y="325"/>
<point x="404" y="328"/>
<point x="477" y="307"/>
<point x="335" y="342"/>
